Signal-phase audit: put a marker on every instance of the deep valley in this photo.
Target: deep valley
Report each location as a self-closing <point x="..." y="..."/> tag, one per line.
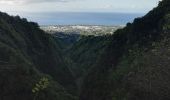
<point x="129" y="62"/>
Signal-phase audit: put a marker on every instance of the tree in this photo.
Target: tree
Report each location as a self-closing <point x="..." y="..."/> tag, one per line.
<point x="40" y="86"/>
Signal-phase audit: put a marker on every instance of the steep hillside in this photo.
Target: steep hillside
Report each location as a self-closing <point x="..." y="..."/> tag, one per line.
<point x="84" y="54"/>
<point x="27" y="54"/>
<point x="135" y="65"/>
<point x="131" y="64"/>
<point x="66" y="41"/>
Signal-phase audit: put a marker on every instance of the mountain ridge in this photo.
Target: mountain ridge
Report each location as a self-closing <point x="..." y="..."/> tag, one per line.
<point x="31" y="50"/>
<point x="131" y="64"/>
<point x="109" y="79"/>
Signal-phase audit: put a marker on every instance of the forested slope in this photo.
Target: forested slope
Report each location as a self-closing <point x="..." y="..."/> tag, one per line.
<point x="131" y="64"/>
<point x="27" y="54"/>
<point x="135" y="66"/>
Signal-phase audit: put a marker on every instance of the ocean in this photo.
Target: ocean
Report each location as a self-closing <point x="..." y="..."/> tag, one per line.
<point x="81" y="18"/>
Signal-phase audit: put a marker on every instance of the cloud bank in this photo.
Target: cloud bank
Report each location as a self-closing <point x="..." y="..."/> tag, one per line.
<point x="30" y="1"/>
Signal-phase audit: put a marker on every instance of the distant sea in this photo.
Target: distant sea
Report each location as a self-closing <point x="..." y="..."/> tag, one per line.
<point x="81" y="18"/>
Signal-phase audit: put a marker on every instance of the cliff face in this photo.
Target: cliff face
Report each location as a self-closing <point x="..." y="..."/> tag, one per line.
<point x="135" y="65"/>
<point x="26" y="55"/>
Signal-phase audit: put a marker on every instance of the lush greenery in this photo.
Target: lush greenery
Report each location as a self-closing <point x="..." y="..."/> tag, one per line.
<point x="135" y="66"/>
<point x="26" y="55"/>
<point x="131" y="64"/>
<point x="82" y="55"/>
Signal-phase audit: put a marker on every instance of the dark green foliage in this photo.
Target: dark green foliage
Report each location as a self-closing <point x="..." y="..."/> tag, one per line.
<point x="84" y="54"/>
<point x="166" y="23"/>
<point x="27" y="53"/>
<point x="67" y="40"/>
<point x="132" y="64"/>
<point x="129" y="70"/>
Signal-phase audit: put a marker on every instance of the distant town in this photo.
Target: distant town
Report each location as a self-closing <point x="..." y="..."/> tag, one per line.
<point x="81" y="29"/>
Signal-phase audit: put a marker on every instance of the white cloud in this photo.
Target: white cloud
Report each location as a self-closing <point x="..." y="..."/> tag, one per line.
<point x="17" y="2"/>
<point x="77" y="5"/>
<point x="108" y="6"/>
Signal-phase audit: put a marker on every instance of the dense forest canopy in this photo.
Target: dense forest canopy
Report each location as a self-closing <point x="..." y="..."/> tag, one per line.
<point x="131" y="64"/>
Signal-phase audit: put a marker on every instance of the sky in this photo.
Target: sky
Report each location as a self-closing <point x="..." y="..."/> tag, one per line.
<point x="47" y="12"/>
<point x="125" y="6"/>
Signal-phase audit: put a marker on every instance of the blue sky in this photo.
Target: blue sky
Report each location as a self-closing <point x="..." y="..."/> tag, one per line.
<point x="125" y="6"/>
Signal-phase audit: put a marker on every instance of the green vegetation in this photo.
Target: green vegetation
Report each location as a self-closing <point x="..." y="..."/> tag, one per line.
<point x="27" y="54"/>
<point x="40" y="86"/>
<point x="131" y="64"/>
<point x="82" y="55"/>
<point x="135" y="65"/>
